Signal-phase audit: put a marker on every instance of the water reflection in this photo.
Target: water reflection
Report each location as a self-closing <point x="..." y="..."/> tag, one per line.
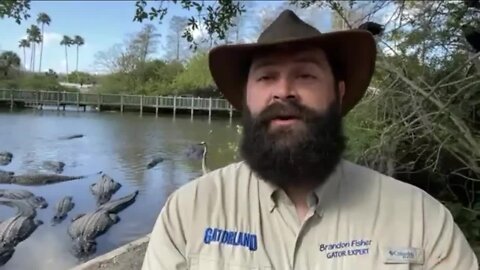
<point x="119" y="145"/>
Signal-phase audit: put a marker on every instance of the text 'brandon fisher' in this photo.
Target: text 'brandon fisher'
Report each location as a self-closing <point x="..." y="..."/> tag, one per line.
<point x="352" y="248"/>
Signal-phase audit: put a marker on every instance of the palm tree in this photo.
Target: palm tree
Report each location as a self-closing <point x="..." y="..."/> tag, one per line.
<point x="9" y="60"/>
<point x="66" y="41"/>
<point x="79" y="41"/>
<point x="34" y="36"/>
<point x="24" y="43"/>
<point x="42" y="19"/>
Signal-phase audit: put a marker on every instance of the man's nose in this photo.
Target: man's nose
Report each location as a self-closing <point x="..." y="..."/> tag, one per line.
<point x="284" y="90"/>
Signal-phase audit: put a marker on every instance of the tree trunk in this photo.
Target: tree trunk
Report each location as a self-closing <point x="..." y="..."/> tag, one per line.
<point x="31" y="57"/>
<point x="66" y="61"/>
<point x="24" y="57"/>
<point x="178" y="46"/>
<point x="34" y="54"/>
<point x="77" y="59"/>
<point x="41" y="51"/>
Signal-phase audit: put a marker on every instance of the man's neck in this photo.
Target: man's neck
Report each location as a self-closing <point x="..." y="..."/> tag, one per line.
<point x="299" y="196"/>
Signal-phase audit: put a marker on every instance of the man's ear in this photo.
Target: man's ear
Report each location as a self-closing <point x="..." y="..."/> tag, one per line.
<point x="341" y="90"/>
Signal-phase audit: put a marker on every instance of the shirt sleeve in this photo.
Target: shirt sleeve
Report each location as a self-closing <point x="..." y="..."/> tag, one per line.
<point x="445" y="245"/>
<point x="166" y="249"/>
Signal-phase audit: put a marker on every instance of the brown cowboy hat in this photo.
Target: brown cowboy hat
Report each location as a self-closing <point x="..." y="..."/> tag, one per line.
<point x="353" y="51"/>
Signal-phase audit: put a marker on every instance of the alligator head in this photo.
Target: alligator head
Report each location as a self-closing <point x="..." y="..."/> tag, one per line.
<point x="38" y="202"/>
<point x="82" y="248"/>
<point x="6" y="252"/>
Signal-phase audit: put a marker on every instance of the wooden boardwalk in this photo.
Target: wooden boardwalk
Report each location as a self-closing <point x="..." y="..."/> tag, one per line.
<point x="38" y="99"/>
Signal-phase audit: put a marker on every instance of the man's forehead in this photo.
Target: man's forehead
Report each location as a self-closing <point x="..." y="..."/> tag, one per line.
<point x="314" y="55"/>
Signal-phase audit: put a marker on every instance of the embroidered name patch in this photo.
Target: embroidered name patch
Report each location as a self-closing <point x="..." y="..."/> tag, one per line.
<point x="348" y="248"/>
<point x="403" y="255"/>
<point x="234" y="238"/>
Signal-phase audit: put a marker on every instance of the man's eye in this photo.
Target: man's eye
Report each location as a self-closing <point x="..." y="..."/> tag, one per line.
<point x="307" y="76"/>
<point x="263" y="78"/>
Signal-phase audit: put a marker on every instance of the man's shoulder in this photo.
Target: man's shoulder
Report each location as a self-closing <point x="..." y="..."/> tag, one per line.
<point x="388" y="187"/>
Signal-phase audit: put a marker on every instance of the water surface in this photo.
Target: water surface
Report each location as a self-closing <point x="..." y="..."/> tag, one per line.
<point x="118" y="144"/>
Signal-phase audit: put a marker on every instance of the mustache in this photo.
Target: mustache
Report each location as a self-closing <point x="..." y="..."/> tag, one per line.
<point x="283" y="109"/>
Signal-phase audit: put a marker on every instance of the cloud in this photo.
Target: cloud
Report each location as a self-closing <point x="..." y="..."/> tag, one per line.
<point x="51" y="38"/>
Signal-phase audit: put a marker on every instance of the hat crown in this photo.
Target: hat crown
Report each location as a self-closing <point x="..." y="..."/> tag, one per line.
<point x="287" y="26"/>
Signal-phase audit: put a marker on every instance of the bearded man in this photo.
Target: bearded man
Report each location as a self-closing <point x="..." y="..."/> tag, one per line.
<point x="293" y="202"/>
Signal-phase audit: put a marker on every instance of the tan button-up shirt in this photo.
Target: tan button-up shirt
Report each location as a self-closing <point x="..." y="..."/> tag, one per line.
<point x="360" y="219"/>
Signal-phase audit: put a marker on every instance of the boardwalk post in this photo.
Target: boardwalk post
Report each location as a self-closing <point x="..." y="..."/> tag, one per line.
<point x="78" y="101"/>
<point x="37" y="103"/>
<point x="209" y="110"/>
<point x="58" y="101"/>
<point x="98" y="102"/>
<point x="230" y="109"/>
<point x="121" y="103"/>
<point x="174" y="105"/>
<point x="141" y="105"/>
<point x="11" y="99"/>
<point x="156" y="106"/>
<point x="191" y="111"/>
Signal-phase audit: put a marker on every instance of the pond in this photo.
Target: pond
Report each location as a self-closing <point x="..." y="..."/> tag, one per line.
<point x="120" y="145"/>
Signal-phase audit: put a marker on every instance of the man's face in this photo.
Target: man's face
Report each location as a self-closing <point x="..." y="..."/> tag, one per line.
<point x="292" y="117"/>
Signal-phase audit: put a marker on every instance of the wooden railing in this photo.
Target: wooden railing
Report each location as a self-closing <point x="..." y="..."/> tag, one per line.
<point x="90" y="99"/>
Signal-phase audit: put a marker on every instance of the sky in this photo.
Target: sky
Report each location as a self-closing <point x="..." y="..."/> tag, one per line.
<point x="102" y="24"/>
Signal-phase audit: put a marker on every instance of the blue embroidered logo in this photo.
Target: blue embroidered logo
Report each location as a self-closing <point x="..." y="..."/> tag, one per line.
<point x="349" y="248"/>
<point x="234" y="238"/>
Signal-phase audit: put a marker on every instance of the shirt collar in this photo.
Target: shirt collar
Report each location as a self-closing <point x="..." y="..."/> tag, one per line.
<point x="319" y="195"/>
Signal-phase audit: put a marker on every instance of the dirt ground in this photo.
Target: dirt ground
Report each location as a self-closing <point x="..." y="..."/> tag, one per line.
<point x="131" y="260"/>
<point x="128" y="257"/>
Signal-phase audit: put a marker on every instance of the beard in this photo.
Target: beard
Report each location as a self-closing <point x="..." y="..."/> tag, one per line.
<point x="304" y="153"/>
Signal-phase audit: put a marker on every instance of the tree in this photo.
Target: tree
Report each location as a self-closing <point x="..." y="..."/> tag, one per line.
<point x="16" y="9"/>
<point x="177" y="26"/>
<point x="217" y="19"/>
<point x="24" y="43"/>
<point x="67" y="42"/>
<point x="8" y="61"/>
<point x="78" y="41"/>
<point x="42" y="19"/>
<point x="34" y="36"/>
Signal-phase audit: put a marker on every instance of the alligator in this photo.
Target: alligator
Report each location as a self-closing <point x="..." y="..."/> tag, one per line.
<point x="24" y="209"/>
<point x="154" y="162"/>
<point x="85" y="228"/>
<point x="38" y="179"/>
<point x="5" y="158"/>
<point x="71" y="137"/>
<point x="62" y="208"/>
<point x="7" y="173"/>
<point x="17" y="229"/>
<point x="6" y="253"/>
<point x="104" y="188"/>
<point x="54" y="166"/>
<point x="27" y="196"/>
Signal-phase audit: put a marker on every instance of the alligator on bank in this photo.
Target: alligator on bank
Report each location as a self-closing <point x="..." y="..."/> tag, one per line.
<point x="85" y="228"/>
<point x="38" y="179"/>
<point x="5" y="158"/>
<point x="104" y="188"/>
<point x="62" y="208"/>
<point x="25" y="195"/>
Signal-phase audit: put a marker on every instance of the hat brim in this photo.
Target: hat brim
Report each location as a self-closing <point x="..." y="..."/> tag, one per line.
<point x="354" y="51"/>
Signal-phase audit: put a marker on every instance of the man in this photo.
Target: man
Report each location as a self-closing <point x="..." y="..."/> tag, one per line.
<point x="293" y="203"/>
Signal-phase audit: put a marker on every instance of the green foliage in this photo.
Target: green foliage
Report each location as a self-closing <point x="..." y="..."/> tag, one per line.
<point x="81" y="78"/>
<point x="196" y="77"/>
<point x="34" y="81"/>
<point x="16" y="9"/>
<point x="218" y="16"/>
